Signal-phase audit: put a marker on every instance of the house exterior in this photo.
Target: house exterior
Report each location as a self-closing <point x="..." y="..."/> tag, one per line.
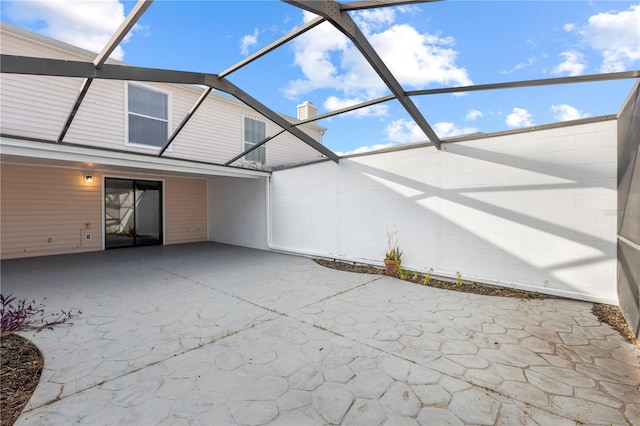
<point x="550" y="208"/>
<point x="100" y="183"/>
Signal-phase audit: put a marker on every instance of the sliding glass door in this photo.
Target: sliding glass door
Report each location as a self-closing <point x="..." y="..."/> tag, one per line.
<point x="133" y="212"/>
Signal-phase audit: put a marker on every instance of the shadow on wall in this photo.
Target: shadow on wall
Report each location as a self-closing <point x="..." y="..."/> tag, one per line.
<point x="538" y="223"/>
<point x="512" y="254"/>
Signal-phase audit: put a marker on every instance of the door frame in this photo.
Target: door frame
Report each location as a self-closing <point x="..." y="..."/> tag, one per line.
<point x="131" y="177"/>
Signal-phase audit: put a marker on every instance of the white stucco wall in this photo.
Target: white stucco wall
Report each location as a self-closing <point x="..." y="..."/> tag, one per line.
<point x="238" y="211"/>
<point x="532" y="210"/>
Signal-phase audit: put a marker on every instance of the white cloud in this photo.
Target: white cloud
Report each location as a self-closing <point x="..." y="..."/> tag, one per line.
<point x="406" y="131"/>
<point x="248" y="41"/>
<point x="333" y="103"/>
<point x="364" y="149"/>
<point x="372" y="19"/>
<point x="86" y="24"/>
<point x="617" y="36"/>
<point x="569" y="27"/>
<point x="447" y="129"/>
<point x="328" y="60"/>
<point x="564" y="112"/>
<point x="519" y="117"/>
<point x="521" y="65"/>
<point x="473" y="114"/>
<point x="312" y="53"/>
<point x="573" y="64"/>
<point x="419" y="59"/>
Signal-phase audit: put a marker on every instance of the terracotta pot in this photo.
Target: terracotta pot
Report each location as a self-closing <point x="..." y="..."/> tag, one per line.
<point x="392" y="267"/>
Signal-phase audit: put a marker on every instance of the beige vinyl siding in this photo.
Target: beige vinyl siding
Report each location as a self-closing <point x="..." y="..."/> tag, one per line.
<point x="100" y="121"/>
<point x="185" y="210"/>
<point x="287" y="149"/>
<point x="100" y="118"/>
<point x="48" y="210"/>
<point x="213" y="134"/>
<point x="38" y="106"/>
<point x="34" y="106"/>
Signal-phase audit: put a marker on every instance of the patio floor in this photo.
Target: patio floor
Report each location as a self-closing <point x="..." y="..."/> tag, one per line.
<point x="214" y="334"/>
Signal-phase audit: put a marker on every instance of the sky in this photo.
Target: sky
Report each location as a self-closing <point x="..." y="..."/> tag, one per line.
<point x="426" y="46"/>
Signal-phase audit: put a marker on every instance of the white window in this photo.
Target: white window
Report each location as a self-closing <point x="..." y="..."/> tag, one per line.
<point x="147" y="116"/>
<point x="254" y="131"/>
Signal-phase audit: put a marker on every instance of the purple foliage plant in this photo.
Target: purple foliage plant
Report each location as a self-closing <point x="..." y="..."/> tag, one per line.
<point x="18" y="315"/>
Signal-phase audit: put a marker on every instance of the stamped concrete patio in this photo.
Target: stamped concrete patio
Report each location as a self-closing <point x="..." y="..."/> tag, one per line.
<point x="214" y="334"/>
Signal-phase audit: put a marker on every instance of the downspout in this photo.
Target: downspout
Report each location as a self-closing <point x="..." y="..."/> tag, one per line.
<point x="268" y="206"/>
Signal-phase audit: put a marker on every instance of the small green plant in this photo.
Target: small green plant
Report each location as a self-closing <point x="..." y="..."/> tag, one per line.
<point x="427" y="277"/>
<point x="394" y="254"/>
<point x="402" y="274"/>
<point x="30" y="316"/>
<point x="415" y="277"/>
<point x="458" y="278"/>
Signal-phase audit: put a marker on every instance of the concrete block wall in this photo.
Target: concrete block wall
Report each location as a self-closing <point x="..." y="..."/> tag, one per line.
<point x="532" y="210"/>
<point x="628" y="213"/>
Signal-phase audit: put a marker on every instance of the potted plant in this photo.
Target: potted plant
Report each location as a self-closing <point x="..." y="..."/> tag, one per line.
<point x="392" y="257"/>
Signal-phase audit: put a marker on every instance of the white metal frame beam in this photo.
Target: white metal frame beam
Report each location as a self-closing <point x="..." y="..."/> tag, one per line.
<point x="332" y="12"/>
<point x="253" y="148"/>
<point x="12" y="64"/>
<point x="328" y="10"/>
<point x="185" y="120"/>
<point x="126" y="25"/>
<point x="138" y="10"/>
<point x="479" y="87"/>
<point x="290" y="36"/>
<point x="529" y="83"/>
<point x="282" y="40"/>
<point x="372" y="4"/>
<point x="226" y="86"/>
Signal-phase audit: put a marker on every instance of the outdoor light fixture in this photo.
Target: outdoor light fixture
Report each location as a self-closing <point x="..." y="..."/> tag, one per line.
<point x="88" y="178"/>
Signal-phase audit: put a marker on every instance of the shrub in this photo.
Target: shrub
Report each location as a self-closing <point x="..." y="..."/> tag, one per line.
<point x="427" y="277"/>
<point x="459" y="278"/>
<point x="402" y="274"/>
<point x="30" y="316"/>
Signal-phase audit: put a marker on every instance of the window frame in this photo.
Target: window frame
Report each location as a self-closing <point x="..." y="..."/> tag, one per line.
<point x="168" y="94"/>
<point x="245" y="142"/>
